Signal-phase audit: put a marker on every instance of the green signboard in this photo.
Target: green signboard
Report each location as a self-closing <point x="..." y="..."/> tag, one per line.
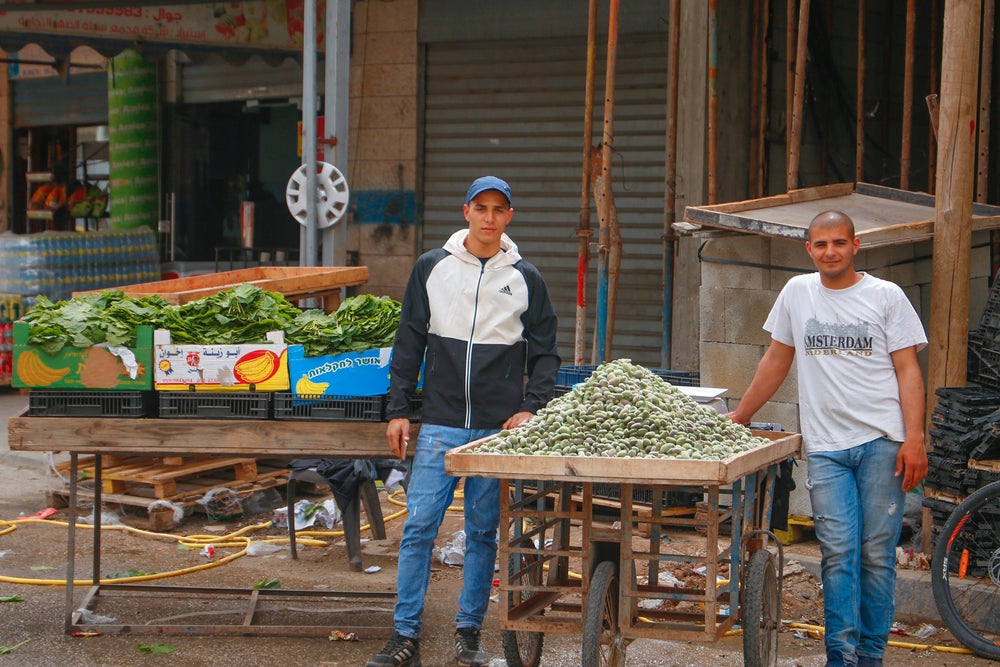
<point x="132" y="141"/>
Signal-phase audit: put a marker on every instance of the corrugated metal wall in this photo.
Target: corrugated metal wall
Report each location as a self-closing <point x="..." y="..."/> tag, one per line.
<point x="515" y="109"/>
<point x="51" y="101"/>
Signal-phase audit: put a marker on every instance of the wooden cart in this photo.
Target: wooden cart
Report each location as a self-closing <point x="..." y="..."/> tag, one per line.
<point x="575" y="563"/>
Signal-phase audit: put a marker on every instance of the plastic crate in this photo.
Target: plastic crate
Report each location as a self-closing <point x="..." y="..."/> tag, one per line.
<point x="983" y="364"/>
<point x="214" y="405"/>
<point x="322" y="407"/>
<point x="567" y="376"/>
<point x="50" y="403"/>
<point x="416" y="407"/>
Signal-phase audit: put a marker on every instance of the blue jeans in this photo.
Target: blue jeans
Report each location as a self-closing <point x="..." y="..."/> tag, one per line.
<point x="858" y="511"/>
<point x="428" y="495"/>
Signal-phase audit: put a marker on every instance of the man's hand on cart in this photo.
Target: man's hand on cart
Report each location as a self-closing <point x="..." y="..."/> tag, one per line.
<point x="398" y="435"/>
<point x="517" y="419"/>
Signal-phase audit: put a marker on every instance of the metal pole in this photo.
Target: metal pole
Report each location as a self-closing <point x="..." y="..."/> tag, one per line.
<point x="309" y="131"/>
<point x="336" y="98"/>
<point x="670" y="186"/>
<point x="584" y="232"/>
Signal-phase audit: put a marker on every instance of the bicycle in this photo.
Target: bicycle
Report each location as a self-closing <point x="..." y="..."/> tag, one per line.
<point x="965" y="572"/>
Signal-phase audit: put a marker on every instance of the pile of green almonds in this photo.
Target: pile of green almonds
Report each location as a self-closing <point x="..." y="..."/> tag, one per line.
<point x="625" y="411"/>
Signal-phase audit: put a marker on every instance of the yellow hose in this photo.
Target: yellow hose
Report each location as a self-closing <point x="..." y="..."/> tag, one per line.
<point x="236" y="539"/>
<point x="918" y="647"/>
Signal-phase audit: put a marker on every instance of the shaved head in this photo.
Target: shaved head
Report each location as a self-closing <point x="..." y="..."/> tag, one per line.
<point x="831" y="219"/>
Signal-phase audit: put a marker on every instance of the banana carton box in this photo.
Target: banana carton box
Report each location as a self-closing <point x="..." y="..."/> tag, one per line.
<point x="349" y="374"/>
<point x="97" y="368"/>
<point x="250" y="367"/>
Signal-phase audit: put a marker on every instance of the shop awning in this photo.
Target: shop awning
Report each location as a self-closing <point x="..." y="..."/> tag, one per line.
<point x="882" y="216"/>
<point x="236" y="31"/>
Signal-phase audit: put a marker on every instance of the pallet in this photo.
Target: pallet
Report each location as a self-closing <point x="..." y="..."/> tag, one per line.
<point x="122" y="474"/>
<point x="189" y="492"/>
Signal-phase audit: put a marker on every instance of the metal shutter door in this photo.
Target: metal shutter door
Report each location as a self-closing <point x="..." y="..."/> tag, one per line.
<point x="515" y="109"/>
<point x="51" y="101"/>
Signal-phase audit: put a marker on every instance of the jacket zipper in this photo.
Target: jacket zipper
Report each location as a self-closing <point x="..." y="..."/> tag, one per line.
<point x="468" y="352"/>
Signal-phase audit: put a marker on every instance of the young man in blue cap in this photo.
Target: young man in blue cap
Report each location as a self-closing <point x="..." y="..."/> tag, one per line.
<point x="481" y="317"/>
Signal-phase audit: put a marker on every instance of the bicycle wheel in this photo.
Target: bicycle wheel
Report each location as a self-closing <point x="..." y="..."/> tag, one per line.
<point x="602" y="641"/>
<point x="761" y="610"/>
<point x="522" y="648"/>
<point x="965" y="572"/>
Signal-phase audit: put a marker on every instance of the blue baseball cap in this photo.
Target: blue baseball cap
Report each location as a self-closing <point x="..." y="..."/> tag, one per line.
<point x="485" y="183"/>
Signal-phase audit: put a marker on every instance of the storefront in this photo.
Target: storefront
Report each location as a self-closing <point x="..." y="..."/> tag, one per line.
<point x="219" y="127"/>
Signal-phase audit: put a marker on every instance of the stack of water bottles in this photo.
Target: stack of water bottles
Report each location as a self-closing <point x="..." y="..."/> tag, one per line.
<point x="57" y="264"/>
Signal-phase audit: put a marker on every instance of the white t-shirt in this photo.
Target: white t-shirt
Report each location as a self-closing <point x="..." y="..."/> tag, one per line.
<point x="843" y="338"/>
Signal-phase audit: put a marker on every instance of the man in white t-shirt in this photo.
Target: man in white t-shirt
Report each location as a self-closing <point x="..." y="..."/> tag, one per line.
<point x="854" y="339"/>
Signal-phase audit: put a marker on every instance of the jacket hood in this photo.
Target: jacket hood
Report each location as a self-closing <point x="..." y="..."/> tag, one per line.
<point x="456" y="246"/>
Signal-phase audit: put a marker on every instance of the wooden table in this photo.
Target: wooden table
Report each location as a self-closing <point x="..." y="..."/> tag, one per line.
<point x="180" y="437"/>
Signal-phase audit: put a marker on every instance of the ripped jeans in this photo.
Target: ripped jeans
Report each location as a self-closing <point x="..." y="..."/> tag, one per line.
<point x="858" y="511"/>
<point x="428" y="495"/>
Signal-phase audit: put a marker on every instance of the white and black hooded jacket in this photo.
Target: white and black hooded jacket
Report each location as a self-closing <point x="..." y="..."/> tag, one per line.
<point x="482" y="325"/>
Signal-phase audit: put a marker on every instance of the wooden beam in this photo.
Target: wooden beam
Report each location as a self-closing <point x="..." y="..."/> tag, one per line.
<point x="904" y="159"/>
<point x="859" y="107"/>
<point x="798" y="98"/>
<point x="949" y="317"/>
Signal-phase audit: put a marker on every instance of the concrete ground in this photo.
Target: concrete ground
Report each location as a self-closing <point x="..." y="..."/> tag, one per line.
<point x="38" y="619"/>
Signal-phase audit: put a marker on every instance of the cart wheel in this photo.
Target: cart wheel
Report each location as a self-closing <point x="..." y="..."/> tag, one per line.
<point x="520" y="647"/>
<point x="602" y="640"/>
<point x="761" y="611"/>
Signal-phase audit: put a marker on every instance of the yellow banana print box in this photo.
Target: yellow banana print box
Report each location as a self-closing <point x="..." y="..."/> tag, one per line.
<point x="251" y="367"/>
<point x="349" y="374"/>
<point x="83" y="368"/>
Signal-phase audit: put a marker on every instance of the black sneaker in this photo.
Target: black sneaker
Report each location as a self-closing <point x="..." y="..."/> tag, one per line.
<point x="467" y="653"/>
<point x="399" y="652"/>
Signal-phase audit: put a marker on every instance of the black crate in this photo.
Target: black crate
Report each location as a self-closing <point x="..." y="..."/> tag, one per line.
<point x="49" y="403"/>
<point x="215" y="405"/>
<point x="320" y="407"/>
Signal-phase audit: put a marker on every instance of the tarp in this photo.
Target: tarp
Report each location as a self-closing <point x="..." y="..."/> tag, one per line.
<point x="271" y="29"/>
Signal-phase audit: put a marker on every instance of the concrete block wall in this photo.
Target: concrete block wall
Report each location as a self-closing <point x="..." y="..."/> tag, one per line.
<point x="382" y="159"/>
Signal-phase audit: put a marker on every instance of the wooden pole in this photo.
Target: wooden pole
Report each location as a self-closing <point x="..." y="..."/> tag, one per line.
<point x="670" y="184"/>
<point x="713" y="101"/>
<point x="985" y="100"/>
<point x="756" y="40"/>
<point x="932" y="131"/>
<point x="795" y="135"/>
<point x="859" y="107"/>
<point x="790" y="41"/>
<point x="904" y="158"/>
<point x="949" y="317"/>
<point x="584" y="232"/>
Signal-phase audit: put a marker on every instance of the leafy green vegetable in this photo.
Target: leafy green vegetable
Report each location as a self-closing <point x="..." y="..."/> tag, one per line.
<point x="4" y="650"/>
<point x="156" y="648"/>
<point x="362" y="322"/>
<point x="267" y="584"/>
<point x="12" y="598"/>
<point x="243" y="314"/>
<point x="132" y="572"/>
<point x="89" y="319"/>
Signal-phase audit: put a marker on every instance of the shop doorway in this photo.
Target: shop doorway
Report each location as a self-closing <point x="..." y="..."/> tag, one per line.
<point x="219" y="155"/>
